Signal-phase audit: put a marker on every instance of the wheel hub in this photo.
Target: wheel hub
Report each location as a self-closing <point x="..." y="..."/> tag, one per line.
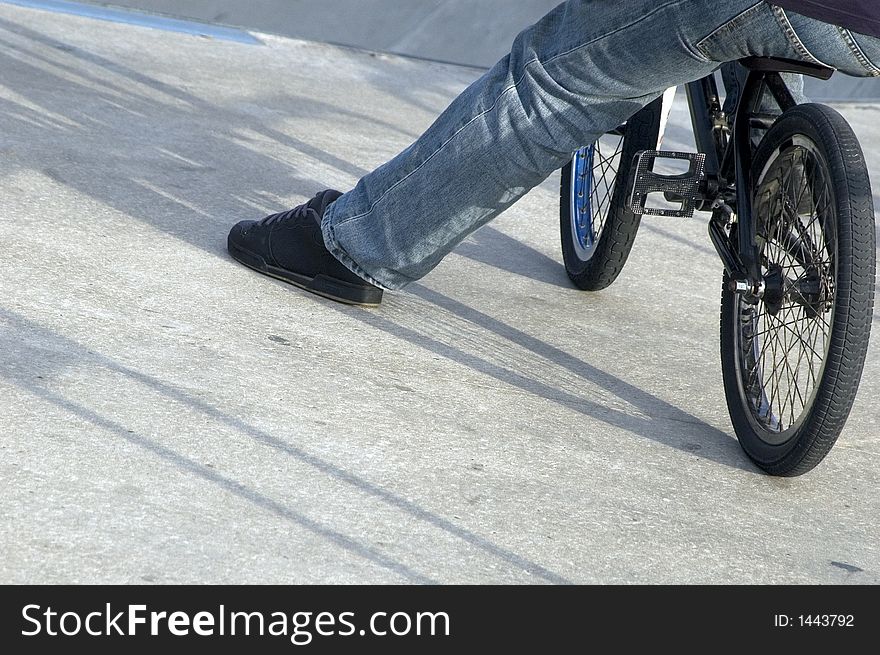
<point x="810" y="291"/>
<point x="774" y="289"/>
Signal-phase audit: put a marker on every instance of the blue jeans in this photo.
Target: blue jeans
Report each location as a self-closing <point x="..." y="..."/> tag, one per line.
<point x="579" y="72"/>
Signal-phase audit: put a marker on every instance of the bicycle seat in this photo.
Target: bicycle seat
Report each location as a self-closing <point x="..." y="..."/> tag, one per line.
<point x="779" y="65"/>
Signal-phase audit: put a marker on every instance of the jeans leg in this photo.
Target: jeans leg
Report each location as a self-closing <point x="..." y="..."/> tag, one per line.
<point x="580" y="71"/>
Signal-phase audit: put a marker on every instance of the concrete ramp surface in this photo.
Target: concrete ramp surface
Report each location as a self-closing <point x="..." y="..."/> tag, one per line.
<point x="168" y="416"/>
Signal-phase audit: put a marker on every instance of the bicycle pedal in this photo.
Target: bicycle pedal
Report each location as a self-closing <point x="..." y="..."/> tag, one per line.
<point x="683" y="189"/>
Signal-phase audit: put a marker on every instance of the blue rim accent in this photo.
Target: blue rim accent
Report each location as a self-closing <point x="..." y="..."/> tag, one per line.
<point x="131" y="17"/>
<point x="582" y="187"/>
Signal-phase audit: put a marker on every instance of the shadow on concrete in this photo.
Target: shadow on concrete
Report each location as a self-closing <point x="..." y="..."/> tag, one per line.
<point x="723" y="448"/>
<point x="60" y="352"/>
<point x="494" y="248"/>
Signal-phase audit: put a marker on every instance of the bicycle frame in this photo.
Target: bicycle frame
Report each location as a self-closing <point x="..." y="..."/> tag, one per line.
<point x="728" y="149"/>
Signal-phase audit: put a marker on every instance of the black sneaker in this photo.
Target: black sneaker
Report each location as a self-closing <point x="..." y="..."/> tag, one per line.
<point x="289" y="246"/>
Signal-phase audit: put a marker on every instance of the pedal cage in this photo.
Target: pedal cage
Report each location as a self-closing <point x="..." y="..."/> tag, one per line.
<point x="683" y="188"/>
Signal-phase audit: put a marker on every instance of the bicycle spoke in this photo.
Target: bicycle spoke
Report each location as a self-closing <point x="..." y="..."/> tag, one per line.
<point x="783" y="352"/>
<point x="602" y="192"/>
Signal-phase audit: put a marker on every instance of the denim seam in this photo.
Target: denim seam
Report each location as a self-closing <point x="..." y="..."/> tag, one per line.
<point x="858" y="52"/>
<point x="794" y="39"/>
<point x="513" y="87"/>
<point x="729" y="25"/>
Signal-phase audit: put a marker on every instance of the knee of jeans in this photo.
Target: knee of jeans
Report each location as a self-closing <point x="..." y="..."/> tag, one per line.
<point x="549" y="110"/>
<point x="558" y="121"/>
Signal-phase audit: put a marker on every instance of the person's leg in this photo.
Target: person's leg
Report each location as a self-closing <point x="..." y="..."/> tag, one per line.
<point x="580" y="71"/>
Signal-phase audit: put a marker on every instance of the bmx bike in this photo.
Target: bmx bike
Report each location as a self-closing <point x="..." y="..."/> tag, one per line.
<point x="792" y="220"/>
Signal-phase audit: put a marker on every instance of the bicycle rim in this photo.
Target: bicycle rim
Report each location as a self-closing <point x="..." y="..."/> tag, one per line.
<point x="593" y="183"/>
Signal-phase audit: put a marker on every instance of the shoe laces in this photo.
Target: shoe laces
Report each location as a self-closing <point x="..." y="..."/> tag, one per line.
<point x="295" y="213"/>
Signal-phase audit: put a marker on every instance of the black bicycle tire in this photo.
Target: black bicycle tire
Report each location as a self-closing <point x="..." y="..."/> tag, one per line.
<point x="619" y="232"/>
<point x="850" y="331"/>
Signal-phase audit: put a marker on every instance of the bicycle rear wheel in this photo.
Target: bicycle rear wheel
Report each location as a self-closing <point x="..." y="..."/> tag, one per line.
<point x="792" y="361"/>
<point x="597" y="228"/>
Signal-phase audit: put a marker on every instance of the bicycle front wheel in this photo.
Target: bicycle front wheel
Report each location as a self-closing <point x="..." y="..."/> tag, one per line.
<point x="793" y="359"/>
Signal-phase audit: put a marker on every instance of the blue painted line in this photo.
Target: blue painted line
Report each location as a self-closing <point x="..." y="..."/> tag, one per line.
<point x="138" y="18"/>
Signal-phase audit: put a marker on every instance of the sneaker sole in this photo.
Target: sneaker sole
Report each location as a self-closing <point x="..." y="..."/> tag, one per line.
<point x="321" y="285"/>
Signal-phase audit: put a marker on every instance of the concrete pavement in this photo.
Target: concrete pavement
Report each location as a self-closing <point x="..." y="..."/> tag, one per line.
<point x="169" y="416"/>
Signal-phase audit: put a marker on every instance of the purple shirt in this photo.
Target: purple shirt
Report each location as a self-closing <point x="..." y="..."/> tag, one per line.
<point x="861" y="16"/>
